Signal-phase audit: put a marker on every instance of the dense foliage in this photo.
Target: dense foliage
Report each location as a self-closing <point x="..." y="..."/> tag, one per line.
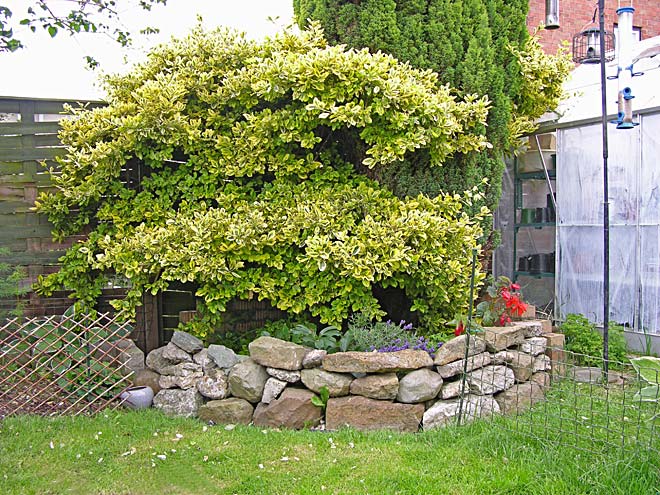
<point x="252" y="157"/>
<point x="583" y="339"/>
<point x="476" y="46"/>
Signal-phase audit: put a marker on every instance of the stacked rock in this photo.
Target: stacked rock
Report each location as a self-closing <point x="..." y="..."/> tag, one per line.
<point x="506" y="370"/>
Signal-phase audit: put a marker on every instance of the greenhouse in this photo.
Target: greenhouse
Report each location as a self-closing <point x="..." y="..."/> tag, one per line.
<point x="554" y="247"/>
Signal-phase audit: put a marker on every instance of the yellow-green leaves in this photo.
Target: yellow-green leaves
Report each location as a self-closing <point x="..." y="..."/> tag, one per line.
<point x="236" y="165"/>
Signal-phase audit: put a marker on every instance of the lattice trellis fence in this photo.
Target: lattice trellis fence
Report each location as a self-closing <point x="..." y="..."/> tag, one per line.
<point x="63" y="365"/>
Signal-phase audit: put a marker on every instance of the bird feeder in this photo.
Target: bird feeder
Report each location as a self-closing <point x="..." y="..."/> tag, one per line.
<point x="551" y="14"/>
<point x="586" y="46"/>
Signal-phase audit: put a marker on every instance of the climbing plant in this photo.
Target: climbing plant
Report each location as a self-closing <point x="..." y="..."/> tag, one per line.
<point x="256" y="158"/>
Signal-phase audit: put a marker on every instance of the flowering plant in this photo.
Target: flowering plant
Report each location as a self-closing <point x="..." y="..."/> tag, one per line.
<point x="504" y="301"/>
<point x="418" y="344"/>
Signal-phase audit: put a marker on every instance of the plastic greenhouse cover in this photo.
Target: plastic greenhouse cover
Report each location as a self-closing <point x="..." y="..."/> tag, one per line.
<point x="634" y="190"/>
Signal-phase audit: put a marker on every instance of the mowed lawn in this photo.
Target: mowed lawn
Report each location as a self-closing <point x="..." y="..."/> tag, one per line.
<point x="145" y="452"/>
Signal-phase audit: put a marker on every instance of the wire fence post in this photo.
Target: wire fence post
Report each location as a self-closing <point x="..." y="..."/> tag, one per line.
<point x="468" y="329"/>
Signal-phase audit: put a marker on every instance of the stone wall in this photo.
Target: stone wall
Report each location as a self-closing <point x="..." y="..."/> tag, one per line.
<point x="507" y="369"/>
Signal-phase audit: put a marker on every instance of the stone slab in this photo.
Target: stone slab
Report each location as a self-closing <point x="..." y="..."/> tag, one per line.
<point x="363" y="413"/>
<point x="377" y="362"/>
<point x="454" y="349"/>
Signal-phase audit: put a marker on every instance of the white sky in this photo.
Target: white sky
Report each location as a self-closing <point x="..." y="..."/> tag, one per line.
<point x="55" y="67"/>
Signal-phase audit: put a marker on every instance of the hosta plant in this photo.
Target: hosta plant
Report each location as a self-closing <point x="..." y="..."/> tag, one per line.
<point x="648" y="369"/>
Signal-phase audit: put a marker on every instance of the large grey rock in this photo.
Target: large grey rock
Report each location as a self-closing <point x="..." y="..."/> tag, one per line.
<point x="213" y="384"/>
<point x="363" y="413"/>
<point x="182" y="369"/>
<point x="284" y="375"/>
<point x="176" y="355"/>
<point x="176" y="402"/>
<point x="183" y="382"/>
<point x="314" y="358"/>
<point x="383" y="386"/>
<point x="454" y="349"/>
<point x="247" y="380"/>
<point x="272" y="390"/>
<point x="146" y="378"/>
<point x="183" y="376"/>
<point x="187" y="342"/>
<point x="131" y="357"/>
<point x="499" y="338"/>
<point x="453" y="389"/>
<point x="338" y="384"/>
<point x="293" y="409"/>
<point x="521" y="363"/>
<point x="519" y="397"/>
<point x="532" y="328"/>
<point x="230" y="411"/>
<point x="222" y="356"/>
<point x="542" y="363"/>
<point x="445" y="412"/>
<point x="155" y="360"/>
<point x="377" y="362"/>
<point x="587" y="374"/>
<point x="276" y="353"/>
<point x="419" y="386"/>
<point x="204" y="360"/>
<point x="534" y="345"/>
<point x="542" y="379"/>
<point x="456" y="367"/>
<point x="490" y="379"/>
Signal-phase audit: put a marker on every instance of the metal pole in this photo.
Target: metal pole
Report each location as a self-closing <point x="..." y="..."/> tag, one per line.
<point x="606" y="204"/>
<point x="468" y="331"/>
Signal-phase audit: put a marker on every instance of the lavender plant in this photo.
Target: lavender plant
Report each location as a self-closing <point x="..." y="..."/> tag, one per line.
<point x="387" y="336"/>
<point x="418" y="344"/>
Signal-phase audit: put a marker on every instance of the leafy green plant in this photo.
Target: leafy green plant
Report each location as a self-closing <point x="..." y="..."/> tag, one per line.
<point x="322" y="399"/>
<point x="369" y="335"/>
<point x="328" y="338"/>
<point x="10" y="285"/>
<point x="258" y="158"/>
<point x="583" y="339"/>
<point x="648" y="369"/>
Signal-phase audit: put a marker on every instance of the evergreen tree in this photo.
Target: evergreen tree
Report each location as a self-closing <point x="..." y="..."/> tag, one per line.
<point x="476" y="47"/>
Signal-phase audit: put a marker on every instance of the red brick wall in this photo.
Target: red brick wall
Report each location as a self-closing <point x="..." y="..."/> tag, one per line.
<point x="575" y="15"/>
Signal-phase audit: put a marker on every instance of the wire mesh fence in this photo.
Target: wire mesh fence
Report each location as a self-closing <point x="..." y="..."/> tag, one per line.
<point x="549" y="394"/>
<point x="63" y="365"/>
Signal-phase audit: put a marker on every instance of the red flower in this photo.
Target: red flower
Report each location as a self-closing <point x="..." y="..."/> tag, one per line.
<point x="504" y="319"/>
<point x="505" y="294"/>
<point x="514" y="287"/>
<point x="459" y="329"/>
<point x="516" y="306"/>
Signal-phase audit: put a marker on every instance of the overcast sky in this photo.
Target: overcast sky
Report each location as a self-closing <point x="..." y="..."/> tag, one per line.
<point x="55" y="67"/>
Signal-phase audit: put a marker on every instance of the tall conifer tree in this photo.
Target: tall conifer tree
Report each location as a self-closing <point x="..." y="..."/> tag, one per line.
<point x="472" y="44"/>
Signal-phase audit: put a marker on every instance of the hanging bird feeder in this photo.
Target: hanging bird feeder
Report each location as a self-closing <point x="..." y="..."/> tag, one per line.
<point x="586" y="46"/>
<point x="551" y="14"/>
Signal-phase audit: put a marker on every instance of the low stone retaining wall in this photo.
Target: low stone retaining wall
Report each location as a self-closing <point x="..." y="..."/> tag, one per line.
<point x="507" y="370"/>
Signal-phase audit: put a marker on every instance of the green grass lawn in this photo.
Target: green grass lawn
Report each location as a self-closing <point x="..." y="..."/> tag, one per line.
<point x="148" y="453"/>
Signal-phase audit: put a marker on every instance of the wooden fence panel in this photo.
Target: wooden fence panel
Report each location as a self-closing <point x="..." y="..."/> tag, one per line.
<point x="28" y="146"/>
